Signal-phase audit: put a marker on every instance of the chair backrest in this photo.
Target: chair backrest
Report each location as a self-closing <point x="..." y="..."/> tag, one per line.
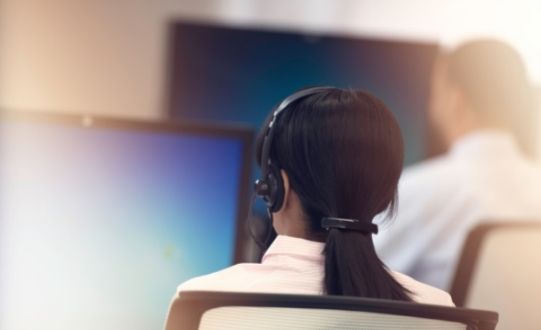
<point x="239" y="311"/>
<point x="500" y="269"/>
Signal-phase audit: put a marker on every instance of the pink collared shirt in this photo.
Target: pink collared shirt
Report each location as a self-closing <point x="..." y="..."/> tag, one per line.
<point x="294" y="265"/>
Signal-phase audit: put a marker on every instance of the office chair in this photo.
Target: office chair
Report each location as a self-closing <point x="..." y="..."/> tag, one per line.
<point x="500" y="269"/>
<point x="242" y="311"/>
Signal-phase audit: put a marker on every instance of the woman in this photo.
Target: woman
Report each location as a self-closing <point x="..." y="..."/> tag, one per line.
<point x="331" y="160"/>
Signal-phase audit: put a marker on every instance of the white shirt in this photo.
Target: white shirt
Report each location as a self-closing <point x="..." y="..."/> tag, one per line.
<point x="295" y="266"/>
<point x="484" y="177"/>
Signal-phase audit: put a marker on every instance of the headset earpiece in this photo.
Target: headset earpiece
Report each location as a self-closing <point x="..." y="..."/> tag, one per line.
<point x="271" y="186"/>
<point x="276" y="184"/>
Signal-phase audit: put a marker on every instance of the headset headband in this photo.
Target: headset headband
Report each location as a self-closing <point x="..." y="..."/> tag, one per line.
<point x="274" y="196"/>
<point x="269" y="133"/>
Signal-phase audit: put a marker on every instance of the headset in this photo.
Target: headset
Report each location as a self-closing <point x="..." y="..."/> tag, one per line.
<point x="270" y="187"/>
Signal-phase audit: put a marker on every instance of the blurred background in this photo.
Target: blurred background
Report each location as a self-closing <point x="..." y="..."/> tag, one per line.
<point x="110" y="57"/>
<point x="179" y="77"/>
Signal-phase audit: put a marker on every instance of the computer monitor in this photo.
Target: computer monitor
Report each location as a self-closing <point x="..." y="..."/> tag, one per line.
<point x="238" y="74"/>
<point x="101" y="219"/>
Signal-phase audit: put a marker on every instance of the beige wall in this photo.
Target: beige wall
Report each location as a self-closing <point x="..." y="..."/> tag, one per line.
<point x="84" y="56"/>
<point x="103" y="56"/>
<point x="108" y="56"/>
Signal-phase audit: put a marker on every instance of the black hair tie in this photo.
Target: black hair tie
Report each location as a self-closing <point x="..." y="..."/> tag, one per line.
<point x="349" y="224"/>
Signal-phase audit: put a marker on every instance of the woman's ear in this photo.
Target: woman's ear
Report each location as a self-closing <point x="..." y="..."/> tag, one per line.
<point x="289" y="219"/>
<point x="287" y="190"/>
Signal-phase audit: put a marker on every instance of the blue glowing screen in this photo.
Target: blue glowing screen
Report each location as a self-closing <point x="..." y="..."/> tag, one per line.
<point x="99" y="225"/>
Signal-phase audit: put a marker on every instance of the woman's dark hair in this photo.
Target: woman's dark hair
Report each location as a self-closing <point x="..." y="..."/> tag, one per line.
<point x="343" y="153"/>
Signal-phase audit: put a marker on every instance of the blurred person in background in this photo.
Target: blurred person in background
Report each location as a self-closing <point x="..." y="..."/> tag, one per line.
<point x="484" y="108"/>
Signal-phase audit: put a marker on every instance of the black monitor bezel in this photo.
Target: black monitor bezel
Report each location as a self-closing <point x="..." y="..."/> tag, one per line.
<point x="243" y="133"/>
<point x="433" y="145"/>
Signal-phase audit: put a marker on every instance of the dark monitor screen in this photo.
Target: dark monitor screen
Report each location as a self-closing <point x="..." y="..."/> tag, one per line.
<point x="237" y="74"/>
<point x="102" y="219"/>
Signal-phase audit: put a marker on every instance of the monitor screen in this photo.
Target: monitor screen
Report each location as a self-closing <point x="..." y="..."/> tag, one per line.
<point x="239" y="74"/>
<point x="102" y="219"/>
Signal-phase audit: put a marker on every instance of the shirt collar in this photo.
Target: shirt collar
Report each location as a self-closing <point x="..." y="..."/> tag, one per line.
<point x="293" y="246"/>
<point x="483" y="142"/>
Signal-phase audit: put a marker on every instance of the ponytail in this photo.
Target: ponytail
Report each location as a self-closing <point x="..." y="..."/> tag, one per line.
<point x="352" y="268"/>
<point x="343" y="153"/>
